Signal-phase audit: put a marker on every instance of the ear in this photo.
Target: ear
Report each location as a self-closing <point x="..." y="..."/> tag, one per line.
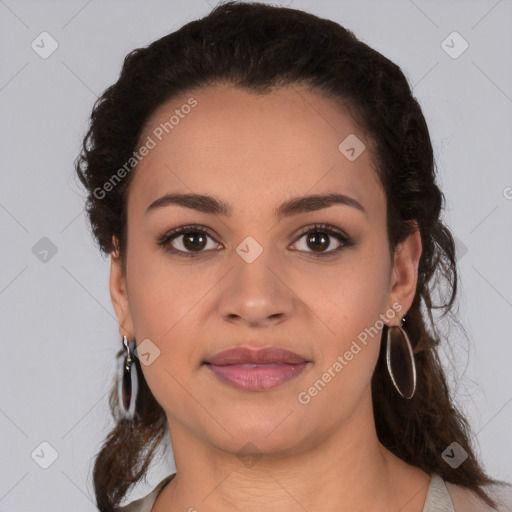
<point x="119" y="295"/>
<point x="404" y="274"/>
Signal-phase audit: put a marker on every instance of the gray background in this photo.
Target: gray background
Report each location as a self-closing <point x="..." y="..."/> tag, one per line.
<point x="58" y="329"/>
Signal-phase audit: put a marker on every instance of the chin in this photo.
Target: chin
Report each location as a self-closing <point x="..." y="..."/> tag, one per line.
<point x="269" y="438"/>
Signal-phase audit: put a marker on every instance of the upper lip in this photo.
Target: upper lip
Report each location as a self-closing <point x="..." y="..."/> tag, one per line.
<point x="268" y="355"/>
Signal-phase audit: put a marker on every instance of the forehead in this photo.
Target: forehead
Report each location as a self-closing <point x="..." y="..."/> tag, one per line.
<point x="253" y="150"/>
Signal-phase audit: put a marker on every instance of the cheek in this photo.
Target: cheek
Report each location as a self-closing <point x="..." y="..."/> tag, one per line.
<point x="166" y="309"/>
<point x="349" y="306"/>
<point x="346" y="359"/>
<point x="167" y="303"/>
<point x="346" y="299"/>
<point x="162" y="290"/>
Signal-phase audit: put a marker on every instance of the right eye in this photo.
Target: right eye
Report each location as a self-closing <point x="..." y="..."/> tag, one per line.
<point x="188" y="239"/>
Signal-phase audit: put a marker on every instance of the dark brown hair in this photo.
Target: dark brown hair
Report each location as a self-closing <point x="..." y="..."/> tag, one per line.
<point x="258" y="47"/>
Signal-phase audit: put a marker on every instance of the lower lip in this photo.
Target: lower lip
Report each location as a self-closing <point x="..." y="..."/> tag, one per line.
<point x="257" y="377"/>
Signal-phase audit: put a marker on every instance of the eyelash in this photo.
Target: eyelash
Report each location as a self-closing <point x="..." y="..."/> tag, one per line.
<point x="167" y="237"/>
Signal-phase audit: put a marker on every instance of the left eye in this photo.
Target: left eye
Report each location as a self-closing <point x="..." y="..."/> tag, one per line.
<point x="319" y="237"/>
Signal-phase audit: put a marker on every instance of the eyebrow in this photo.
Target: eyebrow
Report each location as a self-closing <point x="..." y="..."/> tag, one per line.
<point x="294" y="206"/>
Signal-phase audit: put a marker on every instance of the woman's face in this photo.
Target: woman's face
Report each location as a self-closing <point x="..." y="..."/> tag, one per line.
<point x="255" y="279"/>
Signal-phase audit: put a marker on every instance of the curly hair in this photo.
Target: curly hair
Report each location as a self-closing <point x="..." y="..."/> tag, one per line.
<point x="258" y="47"/>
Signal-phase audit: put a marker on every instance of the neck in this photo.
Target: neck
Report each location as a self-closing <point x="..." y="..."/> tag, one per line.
<point x="345" y="471"/>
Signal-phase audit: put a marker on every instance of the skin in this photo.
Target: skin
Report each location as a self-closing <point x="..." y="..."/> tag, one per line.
<point x="254" y="152"/>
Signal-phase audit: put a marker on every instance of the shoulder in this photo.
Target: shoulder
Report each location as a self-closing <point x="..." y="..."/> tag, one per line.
<point x="145" y="504"/>
<point x="465" y="500"/>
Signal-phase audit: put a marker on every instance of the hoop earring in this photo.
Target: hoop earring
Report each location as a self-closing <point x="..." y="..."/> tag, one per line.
<point x="129" y="385"/>
<point x="400" y="361"/>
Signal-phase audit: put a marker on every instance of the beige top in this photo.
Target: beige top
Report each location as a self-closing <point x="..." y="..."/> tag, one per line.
<point x="441" y="497"/>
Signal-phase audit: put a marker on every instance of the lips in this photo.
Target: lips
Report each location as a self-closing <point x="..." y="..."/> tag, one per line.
<point x="256" y="369"/>
<point x="245" y="355"/>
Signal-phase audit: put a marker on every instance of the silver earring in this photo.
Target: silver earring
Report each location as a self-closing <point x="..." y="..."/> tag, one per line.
<point x="128" y="386"/>
<point x="400" y="361"/>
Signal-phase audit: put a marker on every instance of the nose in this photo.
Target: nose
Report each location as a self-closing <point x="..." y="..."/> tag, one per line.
<point x="257" y="293"/>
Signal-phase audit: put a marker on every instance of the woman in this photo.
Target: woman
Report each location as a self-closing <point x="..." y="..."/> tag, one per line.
<point x="264" y="184"/>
